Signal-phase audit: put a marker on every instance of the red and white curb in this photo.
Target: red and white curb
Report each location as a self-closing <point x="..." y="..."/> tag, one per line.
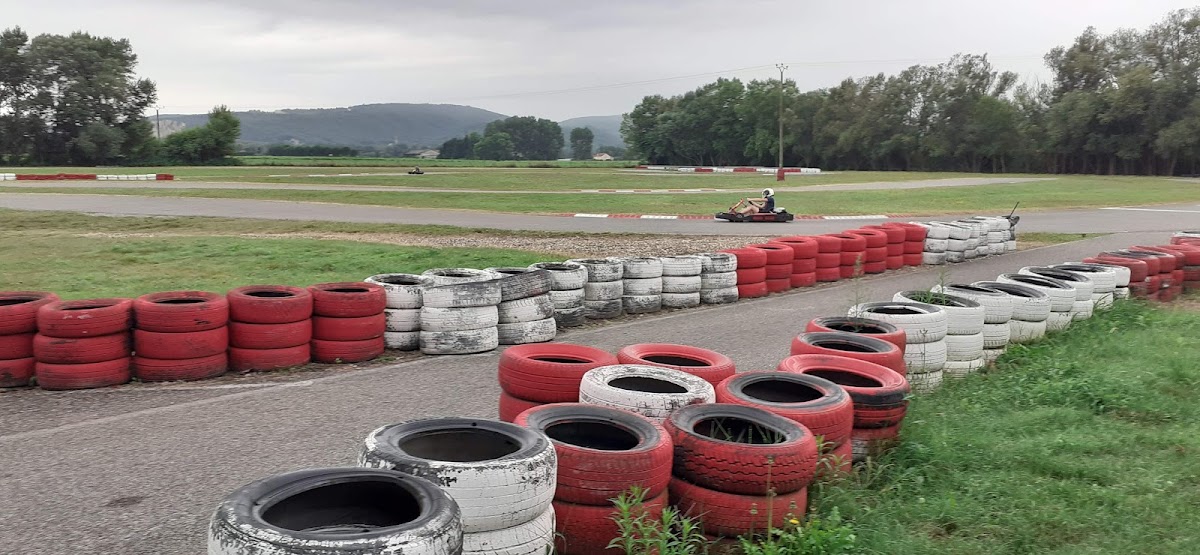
<point x="728" y="169"/>
<point x="699" y="217"/>
<point x="85" y="177"/>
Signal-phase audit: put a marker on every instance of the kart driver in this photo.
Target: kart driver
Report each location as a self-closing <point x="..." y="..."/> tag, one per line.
<point x="756" y="205"/>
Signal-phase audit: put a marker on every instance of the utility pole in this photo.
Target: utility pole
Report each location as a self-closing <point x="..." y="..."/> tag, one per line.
<point x="158" y="123"/>
<point x="779" y="172"/>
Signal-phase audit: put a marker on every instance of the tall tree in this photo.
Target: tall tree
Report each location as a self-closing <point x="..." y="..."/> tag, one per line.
<point x="532" y="138"/>
<point x="496" y="145"/>
<point x="581" y="143"/>
<point x="210" y="143"/>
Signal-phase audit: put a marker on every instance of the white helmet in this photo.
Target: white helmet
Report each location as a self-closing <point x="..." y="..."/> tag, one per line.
<point x="768" y="192"/>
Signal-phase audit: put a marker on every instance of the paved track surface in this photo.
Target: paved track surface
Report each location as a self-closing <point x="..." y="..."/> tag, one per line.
<point x="138" y="469"/>
<point x="1156" y="218"/>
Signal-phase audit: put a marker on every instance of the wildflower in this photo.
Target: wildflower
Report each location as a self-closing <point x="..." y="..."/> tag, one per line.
<point x="794" y="521"/>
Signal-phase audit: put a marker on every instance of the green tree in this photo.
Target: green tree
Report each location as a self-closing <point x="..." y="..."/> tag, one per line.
<point x="212" y="143"/>
<point x="496" y="145"/>
<point x="532" y="138"/>
<point x="581" y="143"/>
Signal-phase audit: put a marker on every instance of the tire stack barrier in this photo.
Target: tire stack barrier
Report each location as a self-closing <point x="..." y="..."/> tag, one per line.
<point x="1191" y="264"/>
<point x="895" y="245"/>
<point x="270" y="327"/>
<point x="876" y="255"/>
<point x="914" y="241"/>
<point x="1031" y="310"/>
<point x="804" y="263"/>
<point x="1061" y="293"/>
<point x="821" y="406"/>
<point x="526" y="310"/>
<point x="1172" y="264"/>
<point x="602" y="453"/>
<point x="751" y="272"/>
<point x="650" y="391"/>
<point x="1151" y="284"/>
<point x="405" y="296"/>
<point x="1135" y="274"/>
<point x="538" y="374"/>
<point x="997" y="234"/>
<point x="853" y="253"/>
<point x="925" y="327"/>
<point x="18" y="325"/>
<point x="718" y="278"/>
<point x="603" y="290"/>
<point x="642" y="285"/>
<point x="459" y="314"/>
<point x="1186" y="238"/>
<point x="710" y="366"/>
<point x="180" y="335"/>
<point x="829" y="258"/>
<point x="878" y="394"/>
<point x="681" y="281"/>
<point x="348" y="322"/>
<point x="965" y="321"/>
<point x="1083" y="306"/>
<point x="959" y="241"/>
<point x="977" y="238"/>
<point x="876" y="329"/>
<point x="83" y="344"/>
<point x="778" y="269"/>
<point x="1104" y="281"/>
<point x="566" y="291"/>
<point x="998" y="313"/>
<point x="866" y="347"/>
<point x="504" y="487"/>
<point x="738" y="469"/>
<point x="937" y="242"/>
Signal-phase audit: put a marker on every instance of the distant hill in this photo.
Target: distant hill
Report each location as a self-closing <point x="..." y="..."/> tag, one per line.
<point x="372" y="125"/>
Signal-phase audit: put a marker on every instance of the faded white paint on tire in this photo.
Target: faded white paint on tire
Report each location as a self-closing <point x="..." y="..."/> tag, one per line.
<point x="923" y="384"/>
<point x="921" y="358"/>
<point x="1010" y="246"/>
<point x="459" y="342"/>
<point x="597" y="389"/>
<point x="1083" y="288"/>
<point x="956" y="245"/>
<point x="1121" y="293"/>
<point x="539" y="331"/>
<point x="404" y="291"/>
<point x="1026" y="332"/>
<point x="603" y="290"/>
<point x="530" y="309"/>
<point x="602" y="310"/>
<point x="964" y="347"/>
<point x="642" y="286"/>
<point x="719" y="296"/>
<point x="960" y="320"/>
<point x="521" y="283"/>
<point x="721" y="280"/>
<point x="717" y="262"/>
<point x="996" y="336"/>
<point x="1104" y="278"/>
<point x="680" y="300"/>
<point x="402" y="319"/>
<point x="1083" y="309"/>
<point x="535" y="537"/>
<point x="402" y="340"/>
<point x="463" y="295"/>
<point x="458" y="319"/>
<point x="1061" y="300"/>
<point x="570" y="318"/>
<point x="1029" y="309"/>
<point x="642" y="267"/>
<point x="962" y="368"/>
<point x="936" y="245"/>
<point x="1103" y="301"/>
<point x="566" y="300"/>
<point x="1059" y="321"/>
<point x="641" y="304"/>
<point x="991" y="355"/>
<point x="933" y="258"/>
<point x="681" y="284"/>
<point x="602" y="269"/>
<point x="997" y="306"/>
<point x="687" y="265"/>
<point x="453" y="276"/>
<point x="564" y="276"/>
<point x="958" y="232"/>
<point x="922" y="323"/>
<point x="937" y="232"/>
<point x="955" y="257"/>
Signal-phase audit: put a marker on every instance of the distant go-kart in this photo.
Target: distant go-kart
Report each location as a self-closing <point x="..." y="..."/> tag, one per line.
<point x="777" y="215"/>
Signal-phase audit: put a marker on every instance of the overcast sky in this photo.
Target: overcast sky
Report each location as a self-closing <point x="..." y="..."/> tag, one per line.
<point x="554" y="59"/>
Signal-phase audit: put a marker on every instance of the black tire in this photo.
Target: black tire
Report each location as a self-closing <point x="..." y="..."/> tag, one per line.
<point x="332" y="511"/>
<point x="521" y="283"/>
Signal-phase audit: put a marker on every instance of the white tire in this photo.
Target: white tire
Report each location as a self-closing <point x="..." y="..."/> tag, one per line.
<point x="1083" y="285"/>
<point x="459" y="319"/>
<point x="650" y="391"/>
<point x="933" y="258"/>
<point x="955" y="257"/>
<point x="924" y="384"/>
<point x="995" y="237"/>
<point x="1025" y="332"/>
<point x="681" y="300"/>
<point x="535" y="537"/>
<point x="1059" y="321"/>
<point x="996" y="248"/>
<point x="522" y="283"/>
<point x="719" y="296"/>
<point x="720" y="280"/>
<point x="937" y="232"/>
<point x="507" y="479"/>
<point x="564" y="276"/>
<point x="970" y="254"/>
<point x="972" y="245"/>
<point x="958" y="232"/>
<point x="681" y="284"/>
<point x="936" y="245"/>
<point x="1010" y="246"/>
<point x="452" y="276"/>
<point x="995" y="336"/>
<point x="1121" y="293"/>
<point x="1104" y="279"/>
<point x="1083" y="310"/>
<point x="920" y="358"/>
<point x="531" y="309"/>
<point x="1121" y="274"/>
<point x="675" y="266"/>
<point x="642" y="287"/>
<point x="601" y="269"/>
<point x="459" y="342"/>
<point x="991" y="355"/>
<point x="1103" y="301"/>
<point x="463" y="295"/>
<point x="922" y="323"/>
<point x="603" y="290"/>
<point x="997" y="306"/>
<point x="566" y="300"/>
<point x="641" y="304"/>
<point x="521" y="333"/>
<point x="402" y="340"/>
<point x="717" y="262"/>
<point x="602" y="310"/>
<point x="569" y="318"/>
<point x="1030" y="305"/>
<point x="964" y="347"/>
<point x="642" y="267"/>
<point x="402" y="319"/>
<point x="1062" y="295"/>
<point x="959" y="369"/>
<point x="963" y="316"/>
<point x="404" y="291"/>
<point x="956" y="245"/>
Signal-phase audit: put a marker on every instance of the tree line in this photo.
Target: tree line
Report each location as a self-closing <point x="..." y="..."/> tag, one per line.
<point x="1122" y="103"/>
<point x="75" y="100"/>
<point x="514" y="138"/>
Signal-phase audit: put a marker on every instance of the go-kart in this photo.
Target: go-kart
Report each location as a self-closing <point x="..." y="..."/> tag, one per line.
<point x="779" y="215"/>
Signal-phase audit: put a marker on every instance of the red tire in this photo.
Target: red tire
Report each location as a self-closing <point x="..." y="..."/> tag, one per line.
<point x="912" y="249"/>
<point x="86" y="318"/>
<point x="83" y="350"/>
<point x="895" y="235"/>
<point x="848" y="272"/>
<point x="829" y="260"/>
<point x="747" y="276"/>
<point x="16" y="372"/>
<point x="181" y="311"/>
<point x="1153" y="266"/>
<point x="914" y="259"/>
<point x="19" y="309"/>
<point x="828" y="244"/>
<point x="852" y="345"/>
<point x="777" y="253"/>
<point x="802" y="247"/>
<point x="805" y="265"/>
<point x="1190" y="273"/>
<point x="1138" y="270"/>
<point x="753" y="290"/>
<point x="711" y="366"/>
<point x="876" y="434"/>
<point x="876" y="254"/>
<point x="913" y="233"/>
<point x="894" y="262"/>
<point x="748" y="257"/>
<point x="875" y="238"/>
<point x="865" y="326"/>
<point x="819" y="404"/>
<point x="1191" y="253"/>
<point x="730" y="514"/>
<point x="716" y="448"/>
<point x="839" y="462"/>
<point x="779" y="271"/>
<point x="826" y="275"/>
<point x="602" y="452"/>
<point x="878" y="393"/>
<point x="180" y="346"/>
<point x="850" y="243"/>
<point x="159" y="370"/>
<point x="17" y="345"/>
<point x="549" y="372"/>
<point x="804" y="280"/>
<point x="246" y="360"/>
<point x="345" y="352"/>
<point x="1168" y="261"/>
<point x="511" y="407"/>
<point x="895" y="249"/>
<point x="779" y="285"/>
<point x="269" y="304"/>
<point x="875" y="267"/>
<point x="348" y="299"/>
<point x="327" y="328"/>
<point x="83" y="376"/>
<point x="270" y="336"/>
<point x="852" y="258"/>
<point x="588" y="529"/>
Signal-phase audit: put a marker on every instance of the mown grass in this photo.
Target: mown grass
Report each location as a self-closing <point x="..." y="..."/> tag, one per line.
<point x="363" y="161"/>
<point x="1087" y="442"/>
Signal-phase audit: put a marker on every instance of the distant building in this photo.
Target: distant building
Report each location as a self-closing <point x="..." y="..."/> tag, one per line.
<point x="422" y="153"/>
<point x="602" y="157"/>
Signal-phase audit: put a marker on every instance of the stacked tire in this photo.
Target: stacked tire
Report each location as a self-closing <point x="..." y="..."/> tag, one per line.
<point x="853" y="254"/>
<point x="829" y="258"/>
<point x="526" y="309"/>
<point x="861" y="326"/>
<point x="959" y="241"/>
<point x="1132" y="272"/>
<point x="83" y="344"/>
<point x="405" y="295"/>
<point x="180" y="335"/>
<point x="965" y="324"/>
<point x="642" y="285"/>
<point x="882" y="348"/>
<point x="1150" y="285"/>
<point x="1062" y="297"/>
<point x="914" y="241"/>
<point x="751" y="272"/>
<point x="937" y="242"/>
<point x="925" y="328"/>
<point x="459" y="316"/>
<point x="1030" y="310"/>
<point x="1185" y="238"/>
<point x="18" y="325"/>
<point x="501" y="475"/>
<point x="539" y="374"/>
<point x="804" y="261"/>
<point x="718" y="278"/>
<point x="821" y="406"/>
<point x="778" y="269"/>
<point x="650" y="391"/>
<point x="602" y="453"/>
<point x="1172" y="263"/>
<point x="566" y="291"/>
<point x="710" y="366"/>
<point x="876" y="254"/>
<point x="977" y="238"/>
<point x="348" y="322"/>
<point x="895" y="244"/>
<point x="603" y="291"/>
<point x="1104" y="282"/>
<point x="1191" y="264"/>
<point x="681" y="281"/>
<point x="997" y="315"/>
<point x="270" y="327"/>
<point x="1084" y="304"/>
